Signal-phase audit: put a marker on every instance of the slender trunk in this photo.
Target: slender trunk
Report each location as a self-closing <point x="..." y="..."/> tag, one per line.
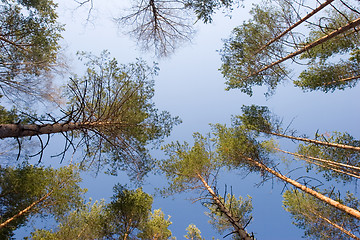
<point x="294" y="25"/>
<point x="344" y="171"/>
<point x="333" y="163"/>
<point x="333" y="224"/>
<point x="239" y="229"/>
<point x="329" y="144"/>
<point x="22" y="212"/>
<point x="342" y="80"/>
<point x="353" y="212"/>
<point x="23" y="130"/>
<point x="310" y="45"/>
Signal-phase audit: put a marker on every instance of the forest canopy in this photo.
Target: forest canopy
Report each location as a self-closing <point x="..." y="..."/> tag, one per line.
<point x="75" y="117"/>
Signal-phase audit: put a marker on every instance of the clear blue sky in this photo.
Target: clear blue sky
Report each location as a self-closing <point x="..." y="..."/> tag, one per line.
<point x="189" y="85"/>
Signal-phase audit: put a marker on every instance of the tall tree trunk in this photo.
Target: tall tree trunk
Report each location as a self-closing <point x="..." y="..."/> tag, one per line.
<point x="27" y="209"/>
<point x="23" y="130"/>
<point x="329" y="144"/>
<point x="332" y="224"/>
<point x="342" y="80"/>
<point x="327" y="2"/>
<point x="309" y="46"/>
<point x="353" y="212"/>
<point x="239" y="229"/>
<point x="350" y="168"/>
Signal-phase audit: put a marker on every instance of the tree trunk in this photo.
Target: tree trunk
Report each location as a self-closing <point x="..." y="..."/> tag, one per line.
<point x="351" y="170"/>
<point x="23" y="130"/>
<point x="342" y="80"/>
<point x="309" y="46"/>
<point x="353" y="212"/>
<point x="333" y="224"/>
<point x="294" y="25"/>
<point x="239" y="229"/>
<point x="22" y="212"/>
<point x="319" y="159"/>
<point x="329" y="144"/>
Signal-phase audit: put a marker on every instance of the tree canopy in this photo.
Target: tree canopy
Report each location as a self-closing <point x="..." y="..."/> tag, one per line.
<point x="29" y="39"/>
<point x="105" y="117"/>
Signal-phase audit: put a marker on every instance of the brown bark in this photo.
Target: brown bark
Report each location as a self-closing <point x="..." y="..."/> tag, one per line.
<point x="353" y="212"/>
<point x="342" y="80"/>
<point x="239" y="229"/>
<point x="27" y="209"/>
<point x="310" y="45"/>
<point x="329" y="144"/>
<point x="22" y="130"/>
<point x="327" y="2"/>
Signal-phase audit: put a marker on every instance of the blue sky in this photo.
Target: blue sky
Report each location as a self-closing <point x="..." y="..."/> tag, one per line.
<point x="190" y="86"/>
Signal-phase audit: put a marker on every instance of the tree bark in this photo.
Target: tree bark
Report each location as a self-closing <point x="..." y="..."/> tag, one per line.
<point x="333" y="224"/>
<point x="327" y="2"/>
<point x="239" y="229"/>
<point x="342" y="80"/>
<point x="329" y="144"/>
<point x="23" y="130"/>
<point x="333" y="163"/>
<point x="353" y="212"/>
<point x="22" y="212"/>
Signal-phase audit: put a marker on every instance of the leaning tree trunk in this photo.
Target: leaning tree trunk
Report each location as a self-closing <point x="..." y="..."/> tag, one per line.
<point x="342" y="80"/>
<point x="329" y="144"/>
<point x="347" y="232"/>
<point x="294" y="25"/>
<point x="309" y="46"/>
<point x="239" y="229"/>
<point x="23" y="130"/>
<point x="353" y="212"/>
<point x="26" y="210"/>
<point x="349" y="170"/>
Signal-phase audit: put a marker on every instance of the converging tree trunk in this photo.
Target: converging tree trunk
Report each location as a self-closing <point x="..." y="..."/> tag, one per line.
<point x="329" y="144"/>
<point x="309" y="46"/>
<point x="353" y="212"/>
<point x="347" y="232"/>
<point x="238" y="228"/>
<point x="349" y="170"/>
<point x="23" y="130"/>
<point x="26" y="210"/>
<point x="312" y="13"/>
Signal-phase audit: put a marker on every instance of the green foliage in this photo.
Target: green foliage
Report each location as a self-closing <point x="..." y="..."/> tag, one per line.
<point x="185" y="163"/>
<point x="29" y="36"/>
<point x="205" y="9"/>
<point x="323" y="73"/>
<point x="245" y="61"/>
<point x="193" y="233"/>
<point x="340" y="155"/>
<point x="117" y="100"/>
<point x="240" y="209"/>
<point x="324" y="76"/>
<point x="257" y="118"/>
<point x="128" y="210"/>
<point x="22" y="186"/>
<point x="238" y="54"/>
<point x="156" y="227"/>
<point x="236" y="145"/>
<point x="12" y="116"/>
<point x="87" y="222"/>
<point x="306" y="211"/>
<point x="127" y="216"/>
<point x="341" y="44"/>
<point x="8" y="116"/>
